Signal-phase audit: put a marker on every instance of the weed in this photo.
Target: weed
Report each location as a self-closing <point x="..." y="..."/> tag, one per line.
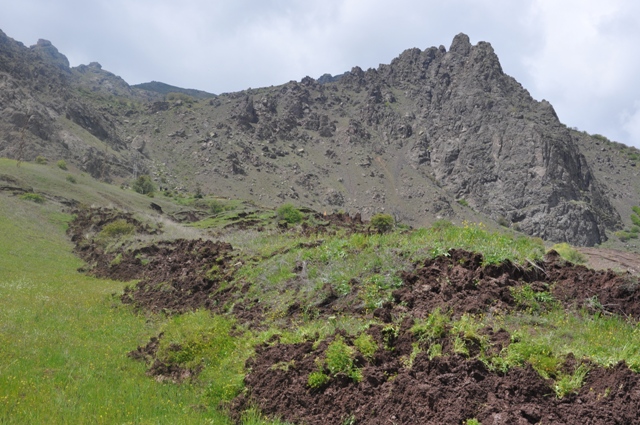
<point x="539" y="354"/>
<point x="463" y="202"/>
<point x="567" y="384"/>
<point x="434" y="327"/>
<point x="389" y="335"/>
<point x="284" y="366"/>
<point x="62" y="164"/>
<point x="407" y="361"/>
<point x="435" y="350"/>
<point x="339" y="356"/>
<point x="459" y="346"/>
<point x="366" y="345"/>
<point x="116" y="260"/>
<point x="71" y="179"/>
<point x="33" y="197"/>
<point x="530" y="300"/>
<point x="569" y="253"/>
<point x="317" y="379"/>
<point x="472" y="421"/>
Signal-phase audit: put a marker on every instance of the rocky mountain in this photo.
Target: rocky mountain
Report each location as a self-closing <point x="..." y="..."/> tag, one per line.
<point x="435" y="134"/>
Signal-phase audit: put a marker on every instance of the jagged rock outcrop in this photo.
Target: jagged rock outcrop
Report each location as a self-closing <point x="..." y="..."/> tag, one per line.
<point x="410" y="138"/>
<point x="488" y="142"/>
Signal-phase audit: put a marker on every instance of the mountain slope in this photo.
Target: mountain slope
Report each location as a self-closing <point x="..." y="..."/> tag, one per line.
<point x="434" y="134"/>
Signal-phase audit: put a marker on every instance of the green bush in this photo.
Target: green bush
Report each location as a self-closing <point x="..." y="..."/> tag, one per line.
<point x="62" y="164"/>
<point x="289" y="213"/>
<point x="71" y="179"/>
<point x="41" y="160"/>
<point x="339" y="357"/>
<point x="116" y="229"/>
<point x="144" y="185"/>
<point x="33" y="197"/>
<point x="382" y="222"/>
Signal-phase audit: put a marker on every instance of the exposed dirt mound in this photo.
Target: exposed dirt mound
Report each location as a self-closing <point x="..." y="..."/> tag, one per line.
<point x="85" y="230"/>
<point x="460" y="283"/>
<point x="181" y="275"/>
<point x="161" y="371"/>
<point x="444" y="390"/>
<point x="602" y="290"/>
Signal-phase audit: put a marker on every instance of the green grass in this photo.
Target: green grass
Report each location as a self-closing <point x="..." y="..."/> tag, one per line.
<point x="367" y="265"/>
<point x="603" y="339"/>
<point x="64" y="339"/>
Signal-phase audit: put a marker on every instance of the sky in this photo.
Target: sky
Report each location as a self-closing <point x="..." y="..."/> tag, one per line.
<point x="580" y="55"/>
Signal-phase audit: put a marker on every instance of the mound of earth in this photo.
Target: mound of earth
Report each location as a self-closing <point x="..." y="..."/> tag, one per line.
<point x="84" y="232"/>
<point x="179" y="276"/>
<point x="458" y="282"/>
<point x="446" y="389"/>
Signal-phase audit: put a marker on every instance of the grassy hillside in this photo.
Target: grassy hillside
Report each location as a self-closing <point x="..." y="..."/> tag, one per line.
<point x="358" y="298"/>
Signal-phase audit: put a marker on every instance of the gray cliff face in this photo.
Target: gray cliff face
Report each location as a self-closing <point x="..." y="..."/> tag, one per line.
<point x="489" y="143"/>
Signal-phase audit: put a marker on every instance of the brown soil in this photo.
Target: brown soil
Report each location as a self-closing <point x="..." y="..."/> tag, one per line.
<point x="444" y="390"/>
<point x="459" y="283"/>
<point x="183" y="275"/>
<point x="179" y="276"/>
<point x="453" y="388"/>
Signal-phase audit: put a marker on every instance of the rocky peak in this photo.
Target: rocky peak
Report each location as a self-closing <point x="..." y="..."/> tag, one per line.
<point x="461" y="45"/>
<point x="50" y="53"/>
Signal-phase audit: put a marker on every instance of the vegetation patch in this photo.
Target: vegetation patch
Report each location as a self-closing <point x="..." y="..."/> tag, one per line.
<point x="33" y="197"/>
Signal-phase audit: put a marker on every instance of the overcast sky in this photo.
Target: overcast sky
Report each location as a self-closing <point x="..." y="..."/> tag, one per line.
<point x="581" y="55"/>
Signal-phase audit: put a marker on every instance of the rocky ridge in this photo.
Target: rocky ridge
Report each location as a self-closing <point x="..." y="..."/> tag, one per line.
<point x="435" y="134"/>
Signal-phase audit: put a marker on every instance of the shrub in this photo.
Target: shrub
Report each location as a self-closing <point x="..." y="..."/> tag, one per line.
<point x="382" y="222"/>
<point x="216" y="207"/>
<point x="62" y="164"/>
<point x="289" y="213"/>
<point x="144" y="185"/>
<point x="339" y="357"/>
<point x="33" y="197"/>
<point x="117" y="228"/>
<point x="71" y="179"/>
<point x="41" y="160"/>
<point x="463" y="202"/>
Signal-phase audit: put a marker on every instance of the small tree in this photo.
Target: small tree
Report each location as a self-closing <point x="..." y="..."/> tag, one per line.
<point x="382" y="222"/>
<point x="144" y="185"/>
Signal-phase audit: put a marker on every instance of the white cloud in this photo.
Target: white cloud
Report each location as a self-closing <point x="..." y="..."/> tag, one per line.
<point x="585" y="63"/>
<point x="578" y="54"/>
